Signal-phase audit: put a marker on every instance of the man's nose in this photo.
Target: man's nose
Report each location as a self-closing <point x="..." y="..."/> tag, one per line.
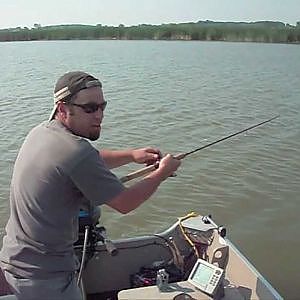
<point x="99" y="114"/>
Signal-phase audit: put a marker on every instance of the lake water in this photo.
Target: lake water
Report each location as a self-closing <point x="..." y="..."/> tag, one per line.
<point x="179" y="96"/>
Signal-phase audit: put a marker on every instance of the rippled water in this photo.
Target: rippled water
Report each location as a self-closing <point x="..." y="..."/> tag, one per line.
<point x="179" y="96"/>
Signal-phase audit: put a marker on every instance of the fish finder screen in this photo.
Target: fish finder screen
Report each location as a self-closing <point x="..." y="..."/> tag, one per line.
<point x="202" y="274"/>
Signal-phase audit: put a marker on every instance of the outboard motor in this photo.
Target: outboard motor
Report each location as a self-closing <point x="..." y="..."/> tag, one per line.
<point x="96" y="233"/>
<point x="89" y="234"/>
<point x="87" y="218"/>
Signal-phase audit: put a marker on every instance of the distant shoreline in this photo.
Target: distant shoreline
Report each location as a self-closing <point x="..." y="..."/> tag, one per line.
<point x="262" y="31"/>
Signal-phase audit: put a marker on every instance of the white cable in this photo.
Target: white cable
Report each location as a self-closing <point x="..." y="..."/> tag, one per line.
<point x="83" y="254"/>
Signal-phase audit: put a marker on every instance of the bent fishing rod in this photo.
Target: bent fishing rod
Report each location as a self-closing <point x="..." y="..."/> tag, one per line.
<point x="180" y="156"/>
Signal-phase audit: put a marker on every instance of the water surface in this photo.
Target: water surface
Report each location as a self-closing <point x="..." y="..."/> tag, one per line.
<point x="179" y="96"/>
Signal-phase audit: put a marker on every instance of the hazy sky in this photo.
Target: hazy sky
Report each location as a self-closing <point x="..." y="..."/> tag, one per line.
<point x="14" y="13"/>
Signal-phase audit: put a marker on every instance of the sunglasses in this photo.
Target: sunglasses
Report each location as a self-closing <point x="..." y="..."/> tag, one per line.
<point x="90" y="107"/>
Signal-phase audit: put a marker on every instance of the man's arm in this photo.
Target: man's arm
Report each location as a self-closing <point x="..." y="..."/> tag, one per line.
<point x="138" y="193"/>
<point x="117" y="158"/>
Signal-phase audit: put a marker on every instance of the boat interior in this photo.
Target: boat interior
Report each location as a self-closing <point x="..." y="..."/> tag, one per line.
<point x="192" y="259"/>
<point x="131" y="271"/>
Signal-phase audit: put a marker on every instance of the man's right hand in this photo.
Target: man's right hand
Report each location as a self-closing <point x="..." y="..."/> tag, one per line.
<point x="168" y="165"/>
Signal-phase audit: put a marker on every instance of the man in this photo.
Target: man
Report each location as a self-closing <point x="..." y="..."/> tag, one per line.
<point x="58" y="171"/>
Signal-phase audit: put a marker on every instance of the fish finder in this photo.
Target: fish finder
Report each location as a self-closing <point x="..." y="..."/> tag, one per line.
<point x="206" y="277"/>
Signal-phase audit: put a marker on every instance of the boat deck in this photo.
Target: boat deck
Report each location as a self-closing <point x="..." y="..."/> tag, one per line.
<point x="183" y="288"/>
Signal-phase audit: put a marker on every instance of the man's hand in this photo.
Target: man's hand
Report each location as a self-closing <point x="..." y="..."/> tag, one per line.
<point x="168" y="165"/>
<point x="147" y="155"/>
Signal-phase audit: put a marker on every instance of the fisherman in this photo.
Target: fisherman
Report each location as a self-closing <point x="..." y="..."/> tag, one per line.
<point x="56" y="173"/>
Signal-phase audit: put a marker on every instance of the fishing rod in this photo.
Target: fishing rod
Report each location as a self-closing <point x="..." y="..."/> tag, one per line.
<point x="180" y="156"/>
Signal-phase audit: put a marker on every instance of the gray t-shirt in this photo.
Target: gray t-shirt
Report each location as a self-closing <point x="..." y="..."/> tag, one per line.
<point x="55" y="173"/>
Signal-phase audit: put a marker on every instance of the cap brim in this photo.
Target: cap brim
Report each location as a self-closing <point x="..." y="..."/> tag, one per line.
<point x="53" y="113"/>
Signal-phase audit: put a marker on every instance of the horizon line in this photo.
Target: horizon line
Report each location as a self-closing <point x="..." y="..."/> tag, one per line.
<point x="153" y="24"/>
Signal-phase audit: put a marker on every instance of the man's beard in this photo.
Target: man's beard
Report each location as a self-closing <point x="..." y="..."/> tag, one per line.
<point x="93" y="136"/>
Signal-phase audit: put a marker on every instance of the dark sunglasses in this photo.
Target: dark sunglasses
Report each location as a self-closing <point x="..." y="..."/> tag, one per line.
<point x="90" y="107"/>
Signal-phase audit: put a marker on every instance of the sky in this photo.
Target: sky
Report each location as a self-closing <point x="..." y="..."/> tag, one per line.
<point x="15" y="13"/>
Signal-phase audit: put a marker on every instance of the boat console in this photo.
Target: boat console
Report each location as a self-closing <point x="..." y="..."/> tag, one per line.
<point x="206" y="279"/>
<point x="204" y="282"/>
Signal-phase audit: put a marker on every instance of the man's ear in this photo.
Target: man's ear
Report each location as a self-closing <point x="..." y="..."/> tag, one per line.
<point x="61" y="110"/>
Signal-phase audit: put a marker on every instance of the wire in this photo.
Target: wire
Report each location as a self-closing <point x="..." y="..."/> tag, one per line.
<point x="86" y="233"/>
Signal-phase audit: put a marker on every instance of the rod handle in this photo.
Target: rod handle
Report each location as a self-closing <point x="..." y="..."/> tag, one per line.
<point x="138" y="173"/>
<point x="146" y="170"/>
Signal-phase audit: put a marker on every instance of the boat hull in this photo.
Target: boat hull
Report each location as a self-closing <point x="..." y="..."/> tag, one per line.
<point x="105" y="274"/>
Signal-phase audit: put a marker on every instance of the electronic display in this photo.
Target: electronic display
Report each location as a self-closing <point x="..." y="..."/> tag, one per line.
<point x="206" y="277"/>
<point x="202" y="274"/>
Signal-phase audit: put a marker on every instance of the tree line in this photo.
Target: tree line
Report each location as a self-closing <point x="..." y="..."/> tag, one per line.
<point x="263" y="31"/>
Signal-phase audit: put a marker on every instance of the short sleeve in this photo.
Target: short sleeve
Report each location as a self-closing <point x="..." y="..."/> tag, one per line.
<point x="95" y="181"/>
